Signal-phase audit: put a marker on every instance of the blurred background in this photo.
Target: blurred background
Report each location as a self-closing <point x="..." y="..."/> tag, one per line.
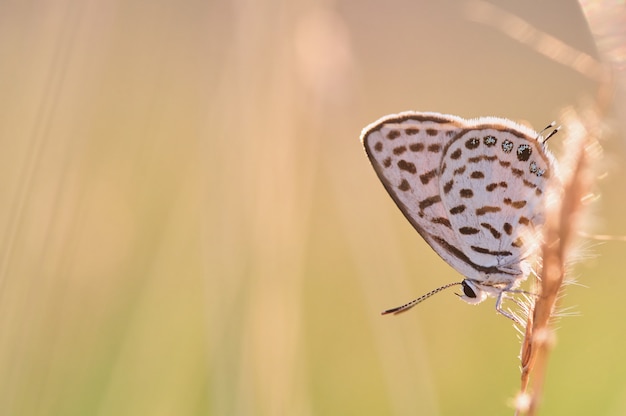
<point x="189" y="225"/>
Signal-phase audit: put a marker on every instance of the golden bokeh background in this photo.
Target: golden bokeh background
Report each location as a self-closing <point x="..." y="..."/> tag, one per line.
<point x="189" y="225"/>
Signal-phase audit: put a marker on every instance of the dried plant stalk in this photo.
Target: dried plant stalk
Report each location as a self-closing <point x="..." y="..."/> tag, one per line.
<point x="564" y="212"/>
<point x="563" y="216"/>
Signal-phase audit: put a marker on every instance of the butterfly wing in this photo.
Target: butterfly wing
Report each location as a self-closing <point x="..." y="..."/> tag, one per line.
<point x="406" y="152"/>
<point x="492" y="180"/>
<point x="441" y="170"/>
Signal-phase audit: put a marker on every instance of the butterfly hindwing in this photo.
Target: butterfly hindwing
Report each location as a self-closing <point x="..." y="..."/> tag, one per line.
<point x="492" y="193"/>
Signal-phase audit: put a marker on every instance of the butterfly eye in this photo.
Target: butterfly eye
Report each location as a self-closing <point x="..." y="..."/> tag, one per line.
<point x="468" y="291"/>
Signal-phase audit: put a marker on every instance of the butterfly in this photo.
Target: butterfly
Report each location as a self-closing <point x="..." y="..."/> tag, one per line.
<point x="473" y="189"/>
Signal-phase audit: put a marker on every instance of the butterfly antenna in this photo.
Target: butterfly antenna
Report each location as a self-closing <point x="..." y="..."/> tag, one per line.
<point x="551" y="134"/>
<point x="412" y="303"/>
<point x="555" y="131"/>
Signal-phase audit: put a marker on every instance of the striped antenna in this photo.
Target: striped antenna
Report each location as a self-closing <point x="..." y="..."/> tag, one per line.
<point x="412" y="303"/>
<point x="555" y="131"/>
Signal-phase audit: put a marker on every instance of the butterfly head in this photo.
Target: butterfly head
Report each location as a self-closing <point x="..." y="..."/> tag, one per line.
<point x="472" y="293"/>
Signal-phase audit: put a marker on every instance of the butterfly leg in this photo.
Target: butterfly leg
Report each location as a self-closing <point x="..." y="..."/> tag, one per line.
<point x="506" y="313"/>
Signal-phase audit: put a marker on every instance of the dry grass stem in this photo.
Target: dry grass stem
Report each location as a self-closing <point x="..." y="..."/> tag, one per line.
<point x="563" y="218"/>
<point x="570" y="189"/>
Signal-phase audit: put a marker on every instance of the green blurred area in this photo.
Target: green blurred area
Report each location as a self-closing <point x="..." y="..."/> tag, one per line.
<point x="189" y="225"/>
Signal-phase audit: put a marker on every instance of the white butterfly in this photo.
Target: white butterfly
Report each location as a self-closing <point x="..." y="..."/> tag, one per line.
<point x="473" y="189"/>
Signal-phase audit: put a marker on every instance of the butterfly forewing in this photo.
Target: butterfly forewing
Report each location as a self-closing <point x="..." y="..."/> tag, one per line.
<point x="406" y="151"/>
